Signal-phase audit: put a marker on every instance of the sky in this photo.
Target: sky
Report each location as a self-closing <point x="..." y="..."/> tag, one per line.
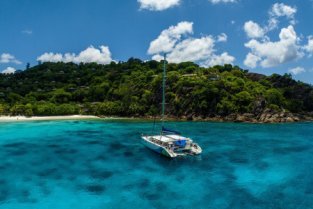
<point x="265" y="36"/>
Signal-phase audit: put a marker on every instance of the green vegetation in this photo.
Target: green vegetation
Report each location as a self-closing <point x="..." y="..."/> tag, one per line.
<point x="133" y="88"/>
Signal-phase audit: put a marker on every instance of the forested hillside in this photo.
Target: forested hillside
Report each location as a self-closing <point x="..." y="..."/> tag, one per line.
<point x="133" y="88"/>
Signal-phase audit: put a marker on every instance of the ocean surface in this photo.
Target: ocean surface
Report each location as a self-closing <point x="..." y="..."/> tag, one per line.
<point x="96" y="164"/>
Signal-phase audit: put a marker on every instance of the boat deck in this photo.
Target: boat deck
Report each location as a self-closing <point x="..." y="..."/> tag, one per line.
<point x="170" y="138"/>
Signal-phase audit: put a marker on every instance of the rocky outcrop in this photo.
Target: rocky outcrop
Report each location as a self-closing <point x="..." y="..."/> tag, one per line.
<point x="247" y="117"/>
<point x="266" y="116"/>
<point x="271" y="116"/>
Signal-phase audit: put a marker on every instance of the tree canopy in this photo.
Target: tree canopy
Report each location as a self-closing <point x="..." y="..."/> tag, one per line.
<point x="133" y="88"/>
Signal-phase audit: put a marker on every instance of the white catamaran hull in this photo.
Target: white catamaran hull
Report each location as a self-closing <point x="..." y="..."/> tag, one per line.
<point x="157" y="148"/>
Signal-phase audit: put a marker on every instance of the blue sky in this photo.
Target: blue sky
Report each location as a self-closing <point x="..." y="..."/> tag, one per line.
<point x="205" y="31"/>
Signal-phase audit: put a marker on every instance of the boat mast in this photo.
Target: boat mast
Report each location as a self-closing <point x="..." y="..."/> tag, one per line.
<point x="163" y="89"/>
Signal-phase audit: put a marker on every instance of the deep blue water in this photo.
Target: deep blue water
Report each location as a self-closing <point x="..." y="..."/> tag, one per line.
<point x="102" y="164"/>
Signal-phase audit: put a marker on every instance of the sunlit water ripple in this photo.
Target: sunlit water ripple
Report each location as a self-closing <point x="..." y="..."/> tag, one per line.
<point x="102" y="164"/>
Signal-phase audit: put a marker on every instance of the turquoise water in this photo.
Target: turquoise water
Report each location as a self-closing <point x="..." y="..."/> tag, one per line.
<point x="101" y="164"/>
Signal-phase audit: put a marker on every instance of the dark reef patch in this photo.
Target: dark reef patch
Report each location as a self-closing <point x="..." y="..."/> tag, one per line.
<point x="45" y="190"/>
<point x="151" y="196"/>
<point x="100" y="175"/>
<point x="128" y="154"/>
<point x="116" y="147"/>
<point x="94" y="142"/>
<point x="101" y="157"/>
<point x="27" y="178"/>
<point x="4" y="191"/>
<point x="180" y="178"/>
<point x="24" y="196"/>
<point x="128" y="186"/>
<point x="16" y="153"/>
<point x="95" y="188"/>
<point x="289" y="149"/>
<point x="64" y="151"/>
<point x="50" y="172"/>
<point x="4" y="196"/>
<point x="144" y="183"/>
<point x="160" y="187"/>
<point x="72" y="178"/>
<point x="243" y="199"/>
<point x="2" y="182"/>
<point x="2" y="168"/>
<point x="16" y="145"/>
<point x="150" y="169"/>
<point x="261" y="165"/>
<point x="238" y="159"/>
<point x="53" y="145"/>
<point x="85" y="133"/>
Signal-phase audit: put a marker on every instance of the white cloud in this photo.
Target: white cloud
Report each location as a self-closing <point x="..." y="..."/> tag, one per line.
<point x="169" y="37"/>
<point x="278" y="10"/>
<point x="253" y="30"/>
<point x="158" y="5"/>
<point x="181" y="49"/>
<point x="281" y="10"/>
<point x="222" y="59"/>
<point x="274" y="53"/>
<point x="297" y="70"/>
<point x="27" y="32"/>
<point x="267" y="53"/>
<point x="89" y="55"/>
<point x="8" y="58"/>
<point x="9" y="70"/>
<point x="50" y="57"/>
<point x="222" y="1"/>
<point x="309" y="46"/>
<point x="222" y="37"/>
<point x="192" y="49"/>
<point x="251" y="60"/>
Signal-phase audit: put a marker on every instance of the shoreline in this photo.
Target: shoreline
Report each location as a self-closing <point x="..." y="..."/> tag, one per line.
<point x="234" y="118"/>
<point x="46" y="118"/>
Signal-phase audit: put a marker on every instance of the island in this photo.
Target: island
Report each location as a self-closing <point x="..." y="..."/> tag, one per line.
<point x="133" y="89"/>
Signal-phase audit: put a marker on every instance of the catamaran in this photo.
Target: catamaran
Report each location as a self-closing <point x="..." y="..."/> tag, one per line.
<point x="170" y="143"/>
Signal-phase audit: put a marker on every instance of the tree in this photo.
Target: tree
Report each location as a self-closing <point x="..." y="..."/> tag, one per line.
<point x="274" y="96"/>
<point x="243" y="101"/>
<point x="28" y="110"/>
<point x="60" y="96"/>
<point x="226" y="107"/>
<point x="3" y="109"/>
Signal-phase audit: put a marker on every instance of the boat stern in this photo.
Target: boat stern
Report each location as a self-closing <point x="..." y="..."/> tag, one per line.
<point x="147" y="141"/>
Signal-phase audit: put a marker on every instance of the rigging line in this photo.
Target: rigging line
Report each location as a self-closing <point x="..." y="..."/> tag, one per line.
<point x="153" y="131"/>
<point x="163" y="89"/>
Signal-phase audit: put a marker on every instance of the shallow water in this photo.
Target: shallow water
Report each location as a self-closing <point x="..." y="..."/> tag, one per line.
<point x="101" y="164"/>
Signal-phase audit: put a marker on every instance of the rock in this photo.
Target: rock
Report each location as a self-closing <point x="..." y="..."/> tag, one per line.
<point x="240" y="118"/>
<point x="190" y="117"/>
<point x="259" y="106"/>
<point x="266" y="116"/>
<point x="231" y="117"/>
<point x="246" y="117"/>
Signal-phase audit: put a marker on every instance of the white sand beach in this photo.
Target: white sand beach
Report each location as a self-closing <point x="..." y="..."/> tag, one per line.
<point x="38" y="118"/>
